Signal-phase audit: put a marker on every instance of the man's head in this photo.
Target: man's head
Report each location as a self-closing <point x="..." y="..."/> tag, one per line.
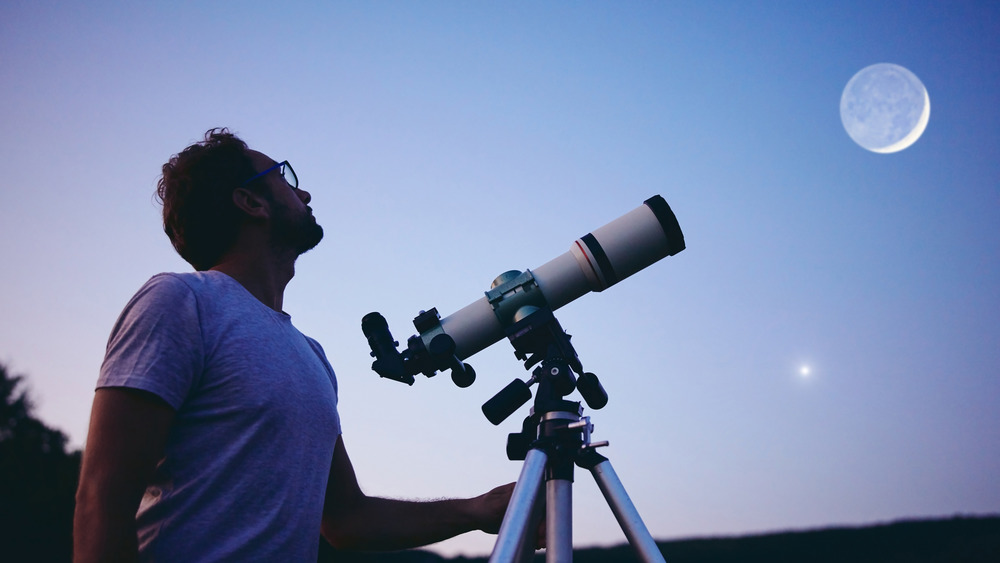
<point x="292" y="225"/>
<point x="200" y="188"/>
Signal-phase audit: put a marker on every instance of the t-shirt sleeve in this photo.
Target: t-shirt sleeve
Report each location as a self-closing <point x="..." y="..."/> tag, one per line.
<point x="156" y="344"/>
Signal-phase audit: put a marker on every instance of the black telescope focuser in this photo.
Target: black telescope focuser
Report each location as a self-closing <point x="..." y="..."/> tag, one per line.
<point x="428" y="352"/>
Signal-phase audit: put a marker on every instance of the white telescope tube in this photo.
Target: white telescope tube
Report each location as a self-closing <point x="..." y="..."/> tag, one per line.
<point x="594" y="262"/>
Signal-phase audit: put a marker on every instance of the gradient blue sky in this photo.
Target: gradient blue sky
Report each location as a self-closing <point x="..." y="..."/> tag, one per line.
<point x="446" y="142"/>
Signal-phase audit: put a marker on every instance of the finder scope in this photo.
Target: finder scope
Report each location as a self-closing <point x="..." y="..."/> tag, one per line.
<point x="594" y="262"/>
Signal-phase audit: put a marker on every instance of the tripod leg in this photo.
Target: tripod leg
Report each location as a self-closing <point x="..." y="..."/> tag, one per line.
<point x="530" y="537"/>
<point x="515" y="534"/>
<point x="626" y="514"/>
<point x="559" y="521"/>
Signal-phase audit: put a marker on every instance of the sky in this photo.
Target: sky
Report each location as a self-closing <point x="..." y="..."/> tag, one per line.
<point x="446" y="142"/>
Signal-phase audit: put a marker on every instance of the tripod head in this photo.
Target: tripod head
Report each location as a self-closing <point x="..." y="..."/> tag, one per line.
<point x="539" y="340"/>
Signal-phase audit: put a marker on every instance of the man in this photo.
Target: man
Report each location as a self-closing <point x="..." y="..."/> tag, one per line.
<point x="214" y="434"/>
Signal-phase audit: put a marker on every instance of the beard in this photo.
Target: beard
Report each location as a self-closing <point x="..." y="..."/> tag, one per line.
<point x="297" y="231"/>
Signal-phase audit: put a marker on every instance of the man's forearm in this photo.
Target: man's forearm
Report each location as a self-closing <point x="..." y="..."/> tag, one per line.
<point x="379" y="524"/>
<point x="102" y="537"/>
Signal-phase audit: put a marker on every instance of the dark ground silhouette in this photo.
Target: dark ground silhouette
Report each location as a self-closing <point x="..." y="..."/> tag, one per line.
<point x="955" y="540"/>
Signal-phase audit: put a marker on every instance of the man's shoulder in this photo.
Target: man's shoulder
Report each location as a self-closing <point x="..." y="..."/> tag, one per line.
<point x="171" y="289"/>
<point x="186" y="282"/>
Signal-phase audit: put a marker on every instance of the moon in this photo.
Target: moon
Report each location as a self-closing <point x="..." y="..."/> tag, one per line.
<point x="885" y="108"/>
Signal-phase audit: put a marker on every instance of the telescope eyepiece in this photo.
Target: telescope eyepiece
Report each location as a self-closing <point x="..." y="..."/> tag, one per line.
<point x="388" y="361"/>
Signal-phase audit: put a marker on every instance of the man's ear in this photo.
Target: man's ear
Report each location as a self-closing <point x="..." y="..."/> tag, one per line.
<point x="253" y="204"/>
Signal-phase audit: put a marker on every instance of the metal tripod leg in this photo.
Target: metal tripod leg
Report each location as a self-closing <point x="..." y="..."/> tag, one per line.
<point x="516" y="536"/>
<point x="559" y="521"/>
<point x="626" y="514"/>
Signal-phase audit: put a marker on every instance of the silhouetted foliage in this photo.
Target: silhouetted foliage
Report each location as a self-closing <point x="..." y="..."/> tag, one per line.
<point x="38" y="480"/>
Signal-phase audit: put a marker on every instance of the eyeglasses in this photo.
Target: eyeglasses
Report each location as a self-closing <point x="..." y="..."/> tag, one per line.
<point x="286" y="172"/>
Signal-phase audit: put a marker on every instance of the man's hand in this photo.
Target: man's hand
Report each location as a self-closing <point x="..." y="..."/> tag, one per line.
<point x="491" y="507"/>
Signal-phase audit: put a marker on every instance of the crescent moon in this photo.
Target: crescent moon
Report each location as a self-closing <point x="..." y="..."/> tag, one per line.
<point x="913" y="135"/>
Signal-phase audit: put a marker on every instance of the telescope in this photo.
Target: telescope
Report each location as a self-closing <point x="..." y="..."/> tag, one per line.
<point x="594" y="262"/>
<point x="556" y="436"/>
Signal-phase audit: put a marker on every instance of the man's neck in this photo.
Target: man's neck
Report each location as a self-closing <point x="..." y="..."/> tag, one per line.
<point x="264" y="279"/>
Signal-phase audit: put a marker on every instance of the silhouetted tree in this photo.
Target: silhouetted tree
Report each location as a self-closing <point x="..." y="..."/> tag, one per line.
<point x="38" y="480"/>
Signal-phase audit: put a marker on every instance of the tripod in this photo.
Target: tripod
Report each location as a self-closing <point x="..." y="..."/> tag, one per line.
<point x="554" y="438"/>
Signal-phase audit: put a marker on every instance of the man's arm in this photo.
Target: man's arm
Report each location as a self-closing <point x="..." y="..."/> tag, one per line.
<point x="353" y="520"/>
<point x="128" y="432"/>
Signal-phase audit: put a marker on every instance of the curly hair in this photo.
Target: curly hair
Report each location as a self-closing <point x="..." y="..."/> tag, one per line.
<point x="196" y="191"/>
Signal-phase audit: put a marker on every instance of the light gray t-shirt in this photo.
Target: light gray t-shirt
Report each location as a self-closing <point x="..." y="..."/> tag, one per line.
<point x="247" y="458"/>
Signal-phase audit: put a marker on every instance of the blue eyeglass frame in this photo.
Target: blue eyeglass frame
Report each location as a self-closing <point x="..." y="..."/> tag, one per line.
<point x="286" y="172"/>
